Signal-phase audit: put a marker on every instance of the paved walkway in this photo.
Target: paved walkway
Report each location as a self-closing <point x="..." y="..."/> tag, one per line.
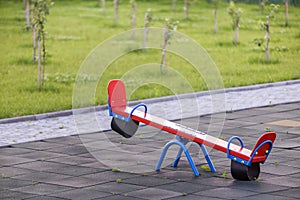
<point x="67" y="168"/>
<point x="51" y="125"/>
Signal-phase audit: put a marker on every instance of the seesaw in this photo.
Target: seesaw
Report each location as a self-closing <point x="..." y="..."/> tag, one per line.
<point x="245" y="163"/>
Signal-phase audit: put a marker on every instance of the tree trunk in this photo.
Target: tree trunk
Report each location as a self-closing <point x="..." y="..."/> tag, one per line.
<point x="286" y="12"/>
<point x="145" y="29"/>
<point x="133" y="20"/>
<point x="116" y="12"/>
<point x="40" y="81"/>
<point x="267" y="38"/>
<point x="34" y="41"/>
<point x="163" y="63"/>
<point x="186" y="9"/>
<point x="173" y="5"/>
<point x="215" y="17"/>
<point x="236" y="38"/>
<point x="27" y="13"/>
<point x="262" y="6"/>
<point x="103" y="6"/>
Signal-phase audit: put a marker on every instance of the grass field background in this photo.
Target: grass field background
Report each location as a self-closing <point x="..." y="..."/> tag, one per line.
<point x="76" y="27"/>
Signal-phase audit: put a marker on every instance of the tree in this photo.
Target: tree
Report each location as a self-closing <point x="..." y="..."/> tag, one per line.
<point x="40" y="11"/>
<point x="186" y="9"/>
<point x="103" y="6"/>
<point x="262" y="6"/>
<point x="147" y="20"/>
<point x="266" y="26"/>
<point x="116" y="8"/>
<point x="235" y="14"/>
<point x="27" y="14"/>
<point x="173" y="5"/>
<point x="133" y="4"/>
<point x="215" y="16"/>
<point x="286" y="12"/>
<point x="168" y="29"/>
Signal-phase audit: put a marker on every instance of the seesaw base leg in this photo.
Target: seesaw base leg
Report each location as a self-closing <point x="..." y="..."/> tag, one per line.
<point x="181" y="142"/>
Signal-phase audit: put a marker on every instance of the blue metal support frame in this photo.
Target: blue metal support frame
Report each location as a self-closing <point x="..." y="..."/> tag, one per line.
<point x="181" y="142"/>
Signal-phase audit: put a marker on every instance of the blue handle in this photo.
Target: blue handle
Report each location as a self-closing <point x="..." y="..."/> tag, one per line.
<point x="230" y="141"/>
<point x="137" y="106"/>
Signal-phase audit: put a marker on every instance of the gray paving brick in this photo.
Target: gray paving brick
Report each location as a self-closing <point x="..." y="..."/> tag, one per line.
<point x="184" y="187"/>
<point x="153" y="194"/>
<point x="10" y="172"/>
<point x="109" y="176"/>
<point x="148" y="181"/>
<point x="290" y="193"/>
<point x="42" y="166"/>
<point x="38" y="145"/>
<point x="117" y="188"/>
<point x="191" y="197"/>
<point x="284" y="181"/>
<point x="12" y="160"/>
<point x="257" y="186"/>
<point x="228" y="193"/>
<point x="79" y="194"/>
<point x="44" y="197"/>
<point x="118" y="197"/>
<point x="42" y="189"/>
<point x="267" y="197"/>
<point x="6" y="194"/>
<point x="43" y="177"/>
<point x="8" y="183"/>
<point x="73" y="160"/>
<point x="70" y="150"/>
<point x="280" y="170"/>
<point x="8" y="151"/>
<point x="77" y="182"/>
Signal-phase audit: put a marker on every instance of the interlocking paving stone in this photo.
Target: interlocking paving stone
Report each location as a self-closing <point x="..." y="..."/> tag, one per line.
<point x="228" y="193"/>
<point x="119" y="197"/>
<point x="267" y="197"/>
<point x="13" y="151"/>
<point x="184" y="187"/>
<point x="72" y="160"/>
<point x="154" y="194"/>
<point x="148" y="181"/>
<point x="291" y="193"/>
<point x="43" y="197"/>
<point x="77" y="182"/>
<point x="116" y="188"/>
<point x="38" y="145"/>
<point x="9" y="172"/>
<point x="70" y="150"/>
<point x="109" y="176"/>
<point x="8" y="183"/>
<point x="280" y="170"/>
<point x="6" y="194"/>
<point x="81" y="194"/>
<point x="284" y="181"/>
<point x="12" y="160"/>
<point x="43" y="176"/>
<point x="74" y="170"/>
<point x="42" y="189"/>
<point x="257" y="186"/>
<point x="41" y="165"/>
<point x="40" y="155"/>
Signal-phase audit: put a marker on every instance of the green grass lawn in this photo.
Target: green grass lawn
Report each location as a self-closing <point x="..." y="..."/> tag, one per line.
<point x="76" y="27"/>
